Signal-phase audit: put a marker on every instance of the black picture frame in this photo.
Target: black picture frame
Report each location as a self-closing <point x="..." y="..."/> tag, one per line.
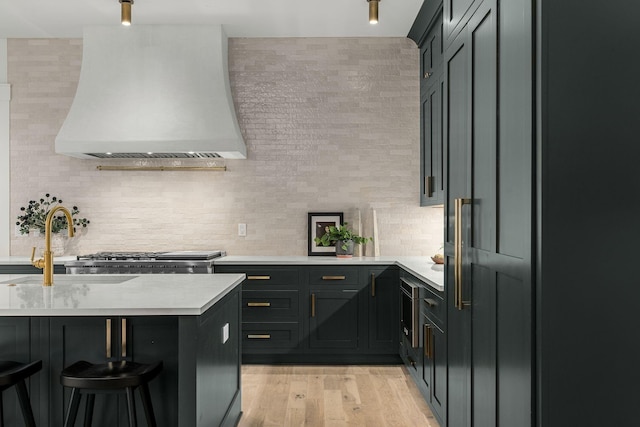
<point x="317" y="223"/>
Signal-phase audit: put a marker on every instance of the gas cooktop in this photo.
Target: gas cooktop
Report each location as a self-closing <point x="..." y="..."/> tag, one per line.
<point x="152" y="256"/>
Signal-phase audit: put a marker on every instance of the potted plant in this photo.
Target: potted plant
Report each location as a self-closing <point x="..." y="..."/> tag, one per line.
<point x="343" y="238"/>
<point x="35" y="213"/>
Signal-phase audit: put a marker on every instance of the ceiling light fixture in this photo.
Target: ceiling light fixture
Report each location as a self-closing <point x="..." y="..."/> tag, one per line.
<point x="373" y="11"/>
<point x="126" y="12"/>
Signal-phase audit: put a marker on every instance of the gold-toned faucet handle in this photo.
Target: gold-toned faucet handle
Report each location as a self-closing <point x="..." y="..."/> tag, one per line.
<point x="36" y="263"/>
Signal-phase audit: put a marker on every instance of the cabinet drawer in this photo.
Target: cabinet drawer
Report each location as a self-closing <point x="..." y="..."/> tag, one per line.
<point x="432" y="305"/>
<point x="269" y="305"/>
<point x="333" y="276"/>
<point x="263" y="276"/>
<point x="257" y="336"/>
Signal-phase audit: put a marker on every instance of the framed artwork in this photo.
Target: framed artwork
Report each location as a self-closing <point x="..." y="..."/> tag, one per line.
<point x="318" y="222"/>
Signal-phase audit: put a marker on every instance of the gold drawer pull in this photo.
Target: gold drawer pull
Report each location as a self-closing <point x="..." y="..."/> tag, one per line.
<point x="431" y="302"/>
<point x="258" y="277"/>
<point x="108" y="343"/>
<point x="259" y="336"/>
<point x="333" y="277"/>
<point x="258" y="304"/>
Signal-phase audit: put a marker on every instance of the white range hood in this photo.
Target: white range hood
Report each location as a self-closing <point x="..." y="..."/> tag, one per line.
<point x="155" y="91"/>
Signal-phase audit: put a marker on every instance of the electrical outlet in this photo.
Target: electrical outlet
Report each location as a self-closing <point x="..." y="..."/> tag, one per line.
<point x="242" y="230"/>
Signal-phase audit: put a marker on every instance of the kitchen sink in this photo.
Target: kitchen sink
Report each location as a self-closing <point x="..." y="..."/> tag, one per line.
<point x="62" y="279"/>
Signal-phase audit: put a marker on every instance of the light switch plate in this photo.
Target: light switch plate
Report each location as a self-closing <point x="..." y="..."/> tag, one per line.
<point x="242" y="230"/>
<point x="225" y="333"/>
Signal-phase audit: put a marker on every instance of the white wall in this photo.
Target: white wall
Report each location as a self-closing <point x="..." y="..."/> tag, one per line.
<point x="5" y="96"/>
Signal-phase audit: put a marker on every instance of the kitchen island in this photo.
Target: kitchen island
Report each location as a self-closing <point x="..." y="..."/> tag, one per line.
<point x="190" y="322"/>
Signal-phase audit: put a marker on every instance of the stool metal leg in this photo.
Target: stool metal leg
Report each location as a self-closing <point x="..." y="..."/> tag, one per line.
<point x="131" y="403"/>
<point x="146" y="403"/>
<point x="88" y="412"/>
<point x="25" y="404"/>
<point x="72" y="412"/>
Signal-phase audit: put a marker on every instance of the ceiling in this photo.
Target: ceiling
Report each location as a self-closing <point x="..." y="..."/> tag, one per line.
<point x="240" y="18"/>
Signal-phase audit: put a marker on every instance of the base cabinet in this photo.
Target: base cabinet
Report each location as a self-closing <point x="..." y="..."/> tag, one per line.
<point x="327" y="314"/>
<point x="427" y="363"/>
<point x="199" y="385"/>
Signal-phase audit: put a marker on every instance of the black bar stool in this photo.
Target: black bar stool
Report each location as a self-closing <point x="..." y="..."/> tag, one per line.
<point x="14" y="373"/>
<point x="115" y="376"/>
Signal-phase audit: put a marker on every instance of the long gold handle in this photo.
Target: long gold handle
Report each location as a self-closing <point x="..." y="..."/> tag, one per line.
<point x="313" y="305"/>
<point x="258" y="277"/>
<point x="259" y="336"/>
<point x="373" y="284"/>
<point x="123" y="336"/>
<point x="457" y="249"/>
<point x="333" y="277"/>
<point x="258" y="304"/>
<point x="108" y="343"/>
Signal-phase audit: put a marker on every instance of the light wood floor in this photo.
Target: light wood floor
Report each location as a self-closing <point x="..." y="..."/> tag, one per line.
<point x="331" y="396"/>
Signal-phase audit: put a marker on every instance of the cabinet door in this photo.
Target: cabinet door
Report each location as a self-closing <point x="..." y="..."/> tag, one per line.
<point x="431" y="53"/>
<point x="334" y="318"/>
<point x="456" y="15"/>
<point x="489" y="166"/>
<point x="15" y="346"/>
<point x="382" y="293"/>
<point x="434" y="373"/>
<point x="432" y="143"/>
<point x="458" y="322"/>
<point x="81" y="338"/>
<point x="149" y="339"/>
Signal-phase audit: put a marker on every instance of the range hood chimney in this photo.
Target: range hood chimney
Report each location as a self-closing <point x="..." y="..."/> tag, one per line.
<point x="155" y="91"/>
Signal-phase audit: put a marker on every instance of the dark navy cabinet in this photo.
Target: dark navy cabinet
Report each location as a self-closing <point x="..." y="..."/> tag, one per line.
<point x="198" y="386"/>
<point x="428" y="34"/>
<point x="319" y="314"/>
<point x="382" y="295"/>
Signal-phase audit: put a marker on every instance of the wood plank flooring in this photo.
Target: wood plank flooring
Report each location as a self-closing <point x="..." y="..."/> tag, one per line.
<point x="331" y="396"/>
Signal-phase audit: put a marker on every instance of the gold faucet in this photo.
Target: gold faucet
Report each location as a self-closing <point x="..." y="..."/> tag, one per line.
<point x="46" y="263"/>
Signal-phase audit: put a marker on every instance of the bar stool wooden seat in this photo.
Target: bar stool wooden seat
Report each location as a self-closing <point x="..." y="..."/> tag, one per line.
<point x="116" y="376"/>
<point x="14" y="374"/>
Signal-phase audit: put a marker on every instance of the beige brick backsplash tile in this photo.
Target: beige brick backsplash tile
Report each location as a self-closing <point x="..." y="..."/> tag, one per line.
<point x="330" y="125"/>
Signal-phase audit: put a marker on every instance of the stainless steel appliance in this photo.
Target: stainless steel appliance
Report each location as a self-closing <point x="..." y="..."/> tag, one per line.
<point x="184" y="262"/>
<point x="410" y="310"/>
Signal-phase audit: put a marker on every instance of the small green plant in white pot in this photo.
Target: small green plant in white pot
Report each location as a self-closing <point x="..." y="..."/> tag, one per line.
<point x="343" y="238"/>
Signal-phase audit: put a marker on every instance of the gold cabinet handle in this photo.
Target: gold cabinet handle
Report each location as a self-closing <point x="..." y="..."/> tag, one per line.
<point x="313" y="305"/>
<point x="333" y="277"/>
<point x="428" y="186"/>
<point x="258" y="277"/>
<point x="123" y="335"/>
<point x="258" y="304"/>
<point x="431" y="302"/>
<point x="457" y="256"/>
<point x="426" y="74"/>
<point x="428" y="342"/>
<point x="259" y="336"/>
<point x="108" y="343"/>
<point x="373" y="284"/>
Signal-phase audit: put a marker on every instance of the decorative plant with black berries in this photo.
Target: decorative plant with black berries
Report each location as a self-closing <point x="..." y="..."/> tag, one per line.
<point x="34" y="216"/>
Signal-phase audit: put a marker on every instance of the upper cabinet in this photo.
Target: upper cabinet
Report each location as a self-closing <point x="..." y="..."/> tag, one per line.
<point x="427" y="33"/>
<point x="456" y="14"/>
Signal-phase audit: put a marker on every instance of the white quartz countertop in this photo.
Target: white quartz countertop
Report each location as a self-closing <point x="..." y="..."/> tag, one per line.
<point x="421" y="267"/>
<point x="25" y="260"/>
<point x="114" y="294"/>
